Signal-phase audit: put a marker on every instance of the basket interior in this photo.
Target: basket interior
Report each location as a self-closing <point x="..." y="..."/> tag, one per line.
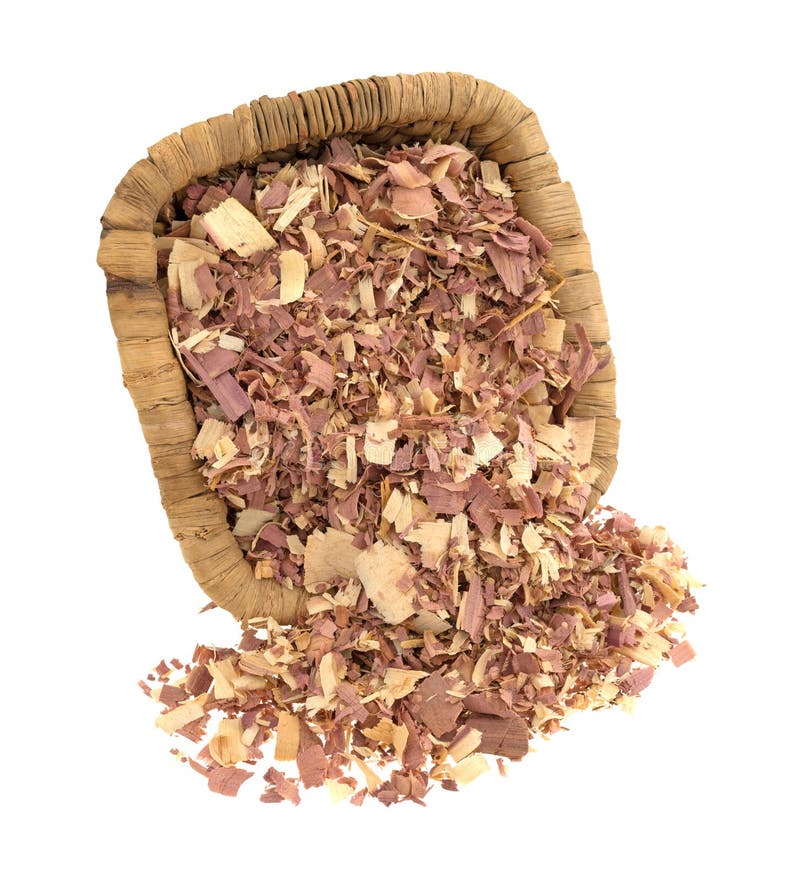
<point x="379" y="111"/>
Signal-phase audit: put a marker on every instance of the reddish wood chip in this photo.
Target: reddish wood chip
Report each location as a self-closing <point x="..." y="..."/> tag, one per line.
<point x="311" y="759"/>
<point x="503" y="737"/>
<point x="682" y="653"/>
<point x="436" y="709"/>
<point x="227" y="781"/>
<point x="280" y="788"/>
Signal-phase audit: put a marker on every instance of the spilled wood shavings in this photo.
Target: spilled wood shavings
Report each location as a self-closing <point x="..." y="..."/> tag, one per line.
<point x="380" y="380"/>
<point x="387" y="711"/>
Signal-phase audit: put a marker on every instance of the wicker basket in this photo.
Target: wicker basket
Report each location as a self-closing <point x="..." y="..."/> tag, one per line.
<point x="379" y="110"/>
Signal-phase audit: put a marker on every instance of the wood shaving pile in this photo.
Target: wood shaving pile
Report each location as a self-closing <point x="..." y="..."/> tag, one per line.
<point x="381" y="382"/>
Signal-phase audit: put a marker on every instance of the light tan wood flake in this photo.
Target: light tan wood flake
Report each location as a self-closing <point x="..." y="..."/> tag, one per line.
<point x="372" y="780"/>
<point x="224" y="674"/>
<point x="581" y="430"/>
<point x="653" y="535"/>
<point x="399" y="682"/>
<point x="226" y="746"/>
<point x="481" y="669"/>
<point x="196" y="230"/>
<point x="338" y="790"/>
<point x="184" y="258"/>
<point x="210" y="433"/>
<point x="552" y="338"/>
<point x="428" y="400"/>
<point x="168" y="243"/>
<point x="486" y="446"/>
<point x="182" y="715"/>
<point x="250" y="521"/>
<point x="467" y="741"/>
<point x="234" y="344"/>
<point x="235" y="228"/>
<point x="316" y="249"/>
<point x="425" y="620"/>
<point x="433" y="538"/>
<point x="507" y="545"/>
<point x="382" y="732"/>
<point x="328" y="555"/>
<point x="520" y="467"/>
<point x="388" y="580"/>
<point x="295" y="545"/>
<point x="673" y="595"/>
<point x="287" y="737"/>
<point x="293" y="275"/>
<point x="348" y="347"/>
<point x="224" y="451"/>
<point x="531" y="540"/>
<point x="459" y="531"/>
<point x="398" y="510"/>
<point x="469" y="769"/>
<point x="469" y="306"/>
<point x="198" y="342"/>
<point x="650" y="650"/>
<point x="249" y="683"/>
<point x="351" y="474"/>
<point x="493" y="181"/>
<point x="366" y="295"/>
<point x="331" y="673"/>
<point x="297" y="201"/>
<point x="553" y="443"/>
<point x="378" y="447"/>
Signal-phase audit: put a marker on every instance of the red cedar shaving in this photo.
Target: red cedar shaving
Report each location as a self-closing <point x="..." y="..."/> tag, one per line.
<point x="628" y="600"/>
<point x="682" y="653"/>
<point x="637" y="680"/>
<point x="505" y="737"/>
<point x="435" y="708"/>
<point x="227" y="781"/>
<point x="311" y="759"/>
<point x="280" y="788"/>
<point x="389" y="438"/>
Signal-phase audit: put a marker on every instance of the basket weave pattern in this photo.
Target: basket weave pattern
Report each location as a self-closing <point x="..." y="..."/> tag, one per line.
<point x="381" y="111"/>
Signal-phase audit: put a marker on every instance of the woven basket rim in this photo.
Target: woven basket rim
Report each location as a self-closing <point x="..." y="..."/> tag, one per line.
<point x="395" y="109"/>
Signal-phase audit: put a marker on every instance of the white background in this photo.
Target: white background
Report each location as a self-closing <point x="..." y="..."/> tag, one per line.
<point x="675" y="124"/>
